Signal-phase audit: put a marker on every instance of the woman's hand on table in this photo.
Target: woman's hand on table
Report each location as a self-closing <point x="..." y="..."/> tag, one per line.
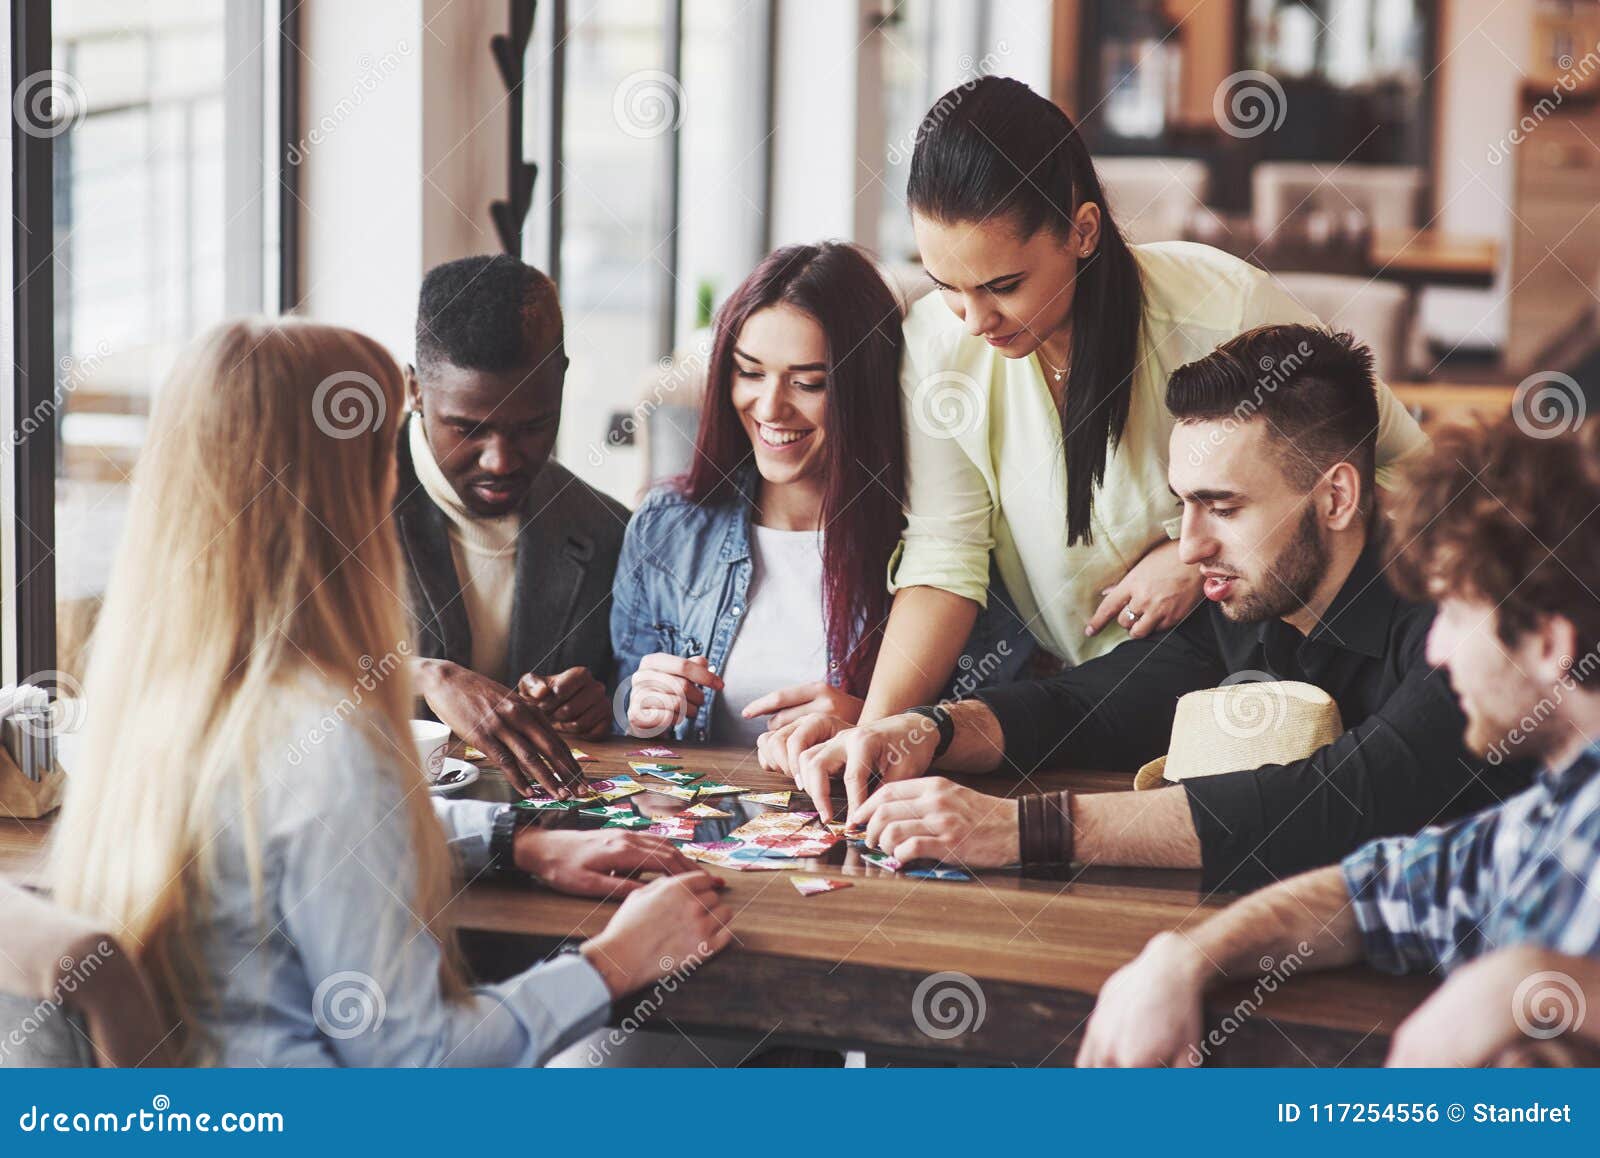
<point x="670" y="924"/>
<point x="666" y="690"/>
<point x="897" y="748"/>
<point x="508" y="728"/>
<point x="573" y="700"/>
<point x="818" y="698"/>
<point x="780" y="749"/>
<point x="1156" y="594"/>
<point x="602" y="863"/>
<point x="938" y="819"/>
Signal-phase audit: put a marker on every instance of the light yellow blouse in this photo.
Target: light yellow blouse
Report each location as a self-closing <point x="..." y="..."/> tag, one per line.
<point x="986" y="469"/>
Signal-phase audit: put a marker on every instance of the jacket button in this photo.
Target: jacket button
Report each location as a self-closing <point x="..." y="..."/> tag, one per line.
<point x="736" y="609"/>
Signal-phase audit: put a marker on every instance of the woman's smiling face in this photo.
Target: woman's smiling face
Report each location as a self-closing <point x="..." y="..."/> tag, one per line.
<point x="1014" y="292"/>
<point x="780" y="391"/>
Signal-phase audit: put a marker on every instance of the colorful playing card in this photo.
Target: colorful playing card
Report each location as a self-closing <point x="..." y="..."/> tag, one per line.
<point x="731" y="854"/>
<point x="471" y="753"/>
<point x="705" y="812"/>
<point x="672" y="827"/>
<point x="672" y="790"/>
<point x="811" y="886"/>
<point x="772" y="824"/>
<point x="800" y="845"/>
<point x="579" y="755"/>
<point x="939" y="874"/>
<point x="632" y="820"/>
<point x="671" y="773"/>
<point x="881" y="860"/>
<point x="549" y="804"/>
<point x="614" y="788"/>
<point x="779" y="799"/>
<point x="711" y="788"/>
<point x="607" y="811"/>
<point x="653" y="753"/>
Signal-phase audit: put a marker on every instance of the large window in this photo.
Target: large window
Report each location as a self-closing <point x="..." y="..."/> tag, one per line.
<point x="649" y="203"/>
<point x="163" y="189"/>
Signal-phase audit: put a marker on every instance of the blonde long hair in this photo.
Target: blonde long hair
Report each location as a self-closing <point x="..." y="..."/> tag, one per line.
<point x="258" y="554"/>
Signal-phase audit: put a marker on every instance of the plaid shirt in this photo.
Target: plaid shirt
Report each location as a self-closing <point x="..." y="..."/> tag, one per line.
<point x="1525" y="872"/>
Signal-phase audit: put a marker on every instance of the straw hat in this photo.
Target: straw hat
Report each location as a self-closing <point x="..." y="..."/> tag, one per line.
<point x="1243" y="725"/>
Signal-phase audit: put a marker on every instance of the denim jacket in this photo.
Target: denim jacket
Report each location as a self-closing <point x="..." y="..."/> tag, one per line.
<point x="682" y="581"/>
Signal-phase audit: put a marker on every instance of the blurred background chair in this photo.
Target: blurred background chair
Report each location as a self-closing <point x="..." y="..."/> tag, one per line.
<point x="1153" y="198"/>
<point x="1378" y="313"/>
<point x="69" y="994"/>
<point x="1386" y="195"/>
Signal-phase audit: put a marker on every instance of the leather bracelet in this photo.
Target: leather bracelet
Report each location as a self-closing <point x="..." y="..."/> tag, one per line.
<point x="1044" y="830"/>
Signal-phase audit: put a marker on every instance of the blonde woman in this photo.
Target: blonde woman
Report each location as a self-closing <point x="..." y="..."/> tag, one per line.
<point x="248" y="810"/>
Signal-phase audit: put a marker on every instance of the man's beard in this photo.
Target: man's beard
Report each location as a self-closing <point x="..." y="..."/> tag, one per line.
<point x="1288" y="582"/>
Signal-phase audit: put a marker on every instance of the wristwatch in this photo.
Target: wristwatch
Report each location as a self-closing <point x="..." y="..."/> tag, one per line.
<point x="503" y="841"/>
<point x="947" y="726"/>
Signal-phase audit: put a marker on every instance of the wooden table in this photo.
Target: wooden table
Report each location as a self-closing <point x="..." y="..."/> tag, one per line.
<point x="845" y="969"/>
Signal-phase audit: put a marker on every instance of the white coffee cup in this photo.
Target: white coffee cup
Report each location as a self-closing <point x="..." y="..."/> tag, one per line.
<point x="431" y="738"/>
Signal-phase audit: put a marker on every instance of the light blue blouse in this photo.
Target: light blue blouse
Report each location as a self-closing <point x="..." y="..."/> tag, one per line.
<point x="332" y="969"/>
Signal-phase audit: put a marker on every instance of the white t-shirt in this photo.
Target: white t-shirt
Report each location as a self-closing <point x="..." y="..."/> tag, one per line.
<point x="781" y="640"/>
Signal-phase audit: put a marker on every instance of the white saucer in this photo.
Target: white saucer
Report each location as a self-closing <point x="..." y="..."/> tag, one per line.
<point x="451" y="764"/>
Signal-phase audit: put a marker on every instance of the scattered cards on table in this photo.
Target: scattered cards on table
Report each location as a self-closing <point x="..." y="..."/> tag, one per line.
<point x="666" y="753"/>
<point x="938" y="874"/>
<point x="779" y="799"/>
<point x="705" y="812"/>
<point x="578" y="754"/>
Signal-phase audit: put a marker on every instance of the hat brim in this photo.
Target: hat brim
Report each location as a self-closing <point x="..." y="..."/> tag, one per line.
<point x="1152" y="775"/>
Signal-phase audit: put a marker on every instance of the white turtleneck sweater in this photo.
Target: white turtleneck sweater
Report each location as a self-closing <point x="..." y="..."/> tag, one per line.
<point x="485" y="554"/>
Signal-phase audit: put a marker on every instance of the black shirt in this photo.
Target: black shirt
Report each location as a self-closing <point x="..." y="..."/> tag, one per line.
<point x="1399" y="767"/>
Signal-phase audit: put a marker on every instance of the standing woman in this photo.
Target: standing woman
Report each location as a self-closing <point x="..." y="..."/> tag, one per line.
<point x="1033" y="381"/>
<point x="248" y="810"/>
<point x="750" y="592"/>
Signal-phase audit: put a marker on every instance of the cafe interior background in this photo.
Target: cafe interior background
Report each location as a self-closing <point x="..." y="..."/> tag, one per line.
<point x="1424" y="174"/>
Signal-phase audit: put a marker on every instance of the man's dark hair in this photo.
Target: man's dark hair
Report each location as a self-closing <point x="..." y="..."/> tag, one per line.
<point x="1314" y="389"/>
<point x="487" y="313"/>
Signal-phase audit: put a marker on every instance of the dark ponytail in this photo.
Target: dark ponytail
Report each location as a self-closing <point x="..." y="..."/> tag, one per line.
<point x="993" y="149"/>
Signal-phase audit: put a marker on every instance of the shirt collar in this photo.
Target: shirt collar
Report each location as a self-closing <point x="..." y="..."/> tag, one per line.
<point x="1359" y="617"/>
<point x="1560" y="782"/>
